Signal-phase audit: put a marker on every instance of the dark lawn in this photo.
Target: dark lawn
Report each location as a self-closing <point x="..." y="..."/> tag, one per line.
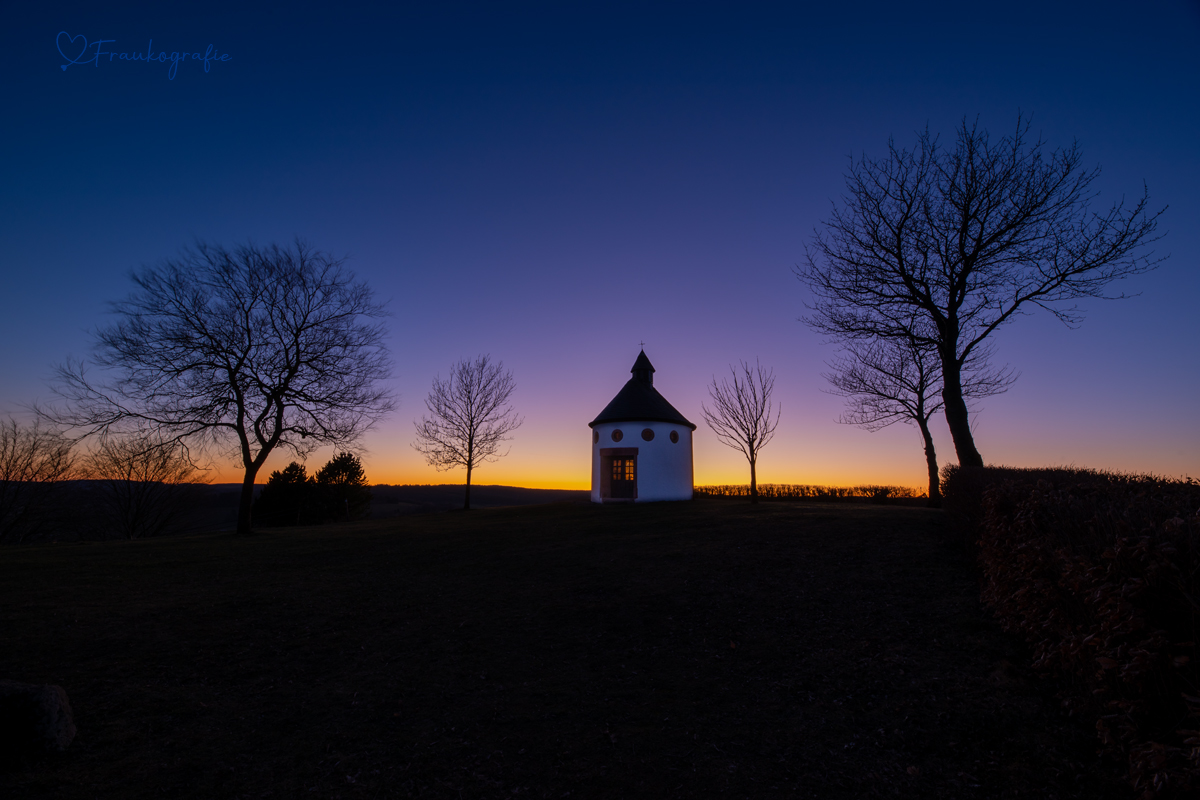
<point x="670" y="650"/>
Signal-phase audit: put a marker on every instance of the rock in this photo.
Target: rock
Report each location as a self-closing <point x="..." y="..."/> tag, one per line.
<point x="34" y="719"/>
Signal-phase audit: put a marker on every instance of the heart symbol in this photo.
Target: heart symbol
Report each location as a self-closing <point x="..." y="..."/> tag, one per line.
<point x="70" y="41"/>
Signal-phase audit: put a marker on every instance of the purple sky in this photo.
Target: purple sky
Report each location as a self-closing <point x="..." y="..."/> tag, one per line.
<point x="554" y="183"/>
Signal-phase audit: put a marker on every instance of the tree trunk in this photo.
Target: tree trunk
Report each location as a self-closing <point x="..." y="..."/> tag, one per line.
<point x="956" y="414"/>
<point x="753" y="484"/>
<point x="935" y="488"/>
<point x="246" y="503"/>
<point x="467" y="502"/>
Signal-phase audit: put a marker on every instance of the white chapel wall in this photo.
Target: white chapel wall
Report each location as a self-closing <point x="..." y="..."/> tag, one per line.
<point x="664" y="468"/>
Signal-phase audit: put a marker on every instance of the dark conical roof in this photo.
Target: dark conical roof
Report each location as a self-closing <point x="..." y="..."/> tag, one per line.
<point x="642" y="364"/>
<point x="639" y="401"/>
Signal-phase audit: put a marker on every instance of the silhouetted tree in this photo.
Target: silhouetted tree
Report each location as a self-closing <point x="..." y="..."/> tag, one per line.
<point x="34" y="461"/>
<point x="468" y="417"/>
<point x="741" y="414"/>
<point x="289" y="498"/>
<point x="249" y="349"/>
<point x="342" y="487"/>
<point x="143" y="483"/>
<point x="943" y="246"/>
<point x="897" y="380"/>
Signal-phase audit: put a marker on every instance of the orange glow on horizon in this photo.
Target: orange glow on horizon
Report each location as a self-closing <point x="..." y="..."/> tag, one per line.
<point x="553" y="449"/>
<point x="493" y="476"/>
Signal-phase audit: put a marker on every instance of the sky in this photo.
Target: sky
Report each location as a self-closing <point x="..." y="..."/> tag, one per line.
<point x="553" y="184"/>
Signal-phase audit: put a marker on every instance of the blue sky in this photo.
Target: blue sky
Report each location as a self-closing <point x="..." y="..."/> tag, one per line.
<point x="554" y="183"/>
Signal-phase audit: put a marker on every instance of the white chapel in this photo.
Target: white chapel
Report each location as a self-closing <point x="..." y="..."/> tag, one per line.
<point x="641" y="446"/>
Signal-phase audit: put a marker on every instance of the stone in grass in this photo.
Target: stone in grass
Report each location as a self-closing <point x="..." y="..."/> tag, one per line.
<point x="34" y="719"/>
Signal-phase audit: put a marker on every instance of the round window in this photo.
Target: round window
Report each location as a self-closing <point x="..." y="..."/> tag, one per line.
<point x="647" y="434"/>
<point x="617" y="435"/>
<point x="675" y="437"/>
<point x="595" y="436"/>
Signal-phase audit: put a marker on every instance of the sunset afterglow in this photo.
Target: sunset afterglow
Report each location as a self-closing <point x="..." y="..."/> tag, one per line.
<point x="555" y="188"/>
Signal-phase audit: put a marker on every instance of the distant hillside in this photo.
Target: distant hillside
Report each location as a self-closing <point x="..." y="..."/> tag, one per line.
<point x="70" y="515"/>
<point x="389" y="501"/>
<point x="219" y="501"/>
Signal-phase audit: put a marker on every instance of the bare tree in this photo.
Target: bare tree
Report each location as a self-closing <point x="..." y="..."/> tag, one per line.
<point x="890" y="380"/>
<point x="34" y="460"/>
<point x="143" y="482"/>
<point x="468" y="420"/>
<point x="944" y="246"/>
<point x="247" y="349"/>
<point x="741" y="414"/>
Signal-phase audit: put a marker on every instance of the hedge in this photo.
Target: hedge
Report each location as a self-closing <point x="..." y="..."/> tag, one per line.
<point x="796" y="491"/>
<point x="1100" y="574"/>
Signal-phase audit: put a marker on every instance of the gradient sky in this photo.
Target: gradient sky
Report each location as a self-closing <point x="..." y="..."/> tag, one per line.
<point x="554" y="183"/>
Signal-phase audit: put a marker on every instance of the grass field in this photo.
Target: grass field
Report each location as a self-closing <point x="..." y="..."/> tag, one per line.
<point x="700" y="649"/>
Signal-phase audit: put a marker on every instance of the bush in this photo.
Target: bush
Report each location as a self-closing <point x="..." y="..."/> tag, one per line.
<point x="342" y="489"/>
<point x="287" y="499"/>
<point x="338" y="492"/>
<point x="1100" y="573"/>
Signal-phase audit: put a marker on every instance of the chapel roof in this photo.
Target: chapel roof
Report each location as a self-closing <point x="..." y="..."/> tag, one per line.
<point x="639" y="401"/>
<point x="642" y="364"/>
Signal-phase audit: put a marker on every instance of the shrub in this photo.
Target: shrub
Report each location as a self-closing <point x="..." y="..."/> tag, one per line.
<point x="337" y="492"/>
<point x="287" y="499"/>
<point x="342" y="488"/>
<point x="1100" y="573"/>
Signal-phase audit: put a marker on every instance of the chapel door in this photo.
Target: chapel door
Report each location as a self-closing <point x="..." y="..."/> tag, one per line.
<point x="623" y="482"/>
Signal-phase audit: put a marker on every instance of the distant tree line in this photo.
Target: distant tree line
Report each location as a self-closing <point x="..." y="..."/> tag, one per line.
<point x="791" y="491"/>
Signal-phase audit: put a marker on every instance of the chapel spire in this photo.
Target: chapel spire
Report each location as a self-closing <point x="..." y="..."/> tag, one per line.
<point x="643" y="370"/>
